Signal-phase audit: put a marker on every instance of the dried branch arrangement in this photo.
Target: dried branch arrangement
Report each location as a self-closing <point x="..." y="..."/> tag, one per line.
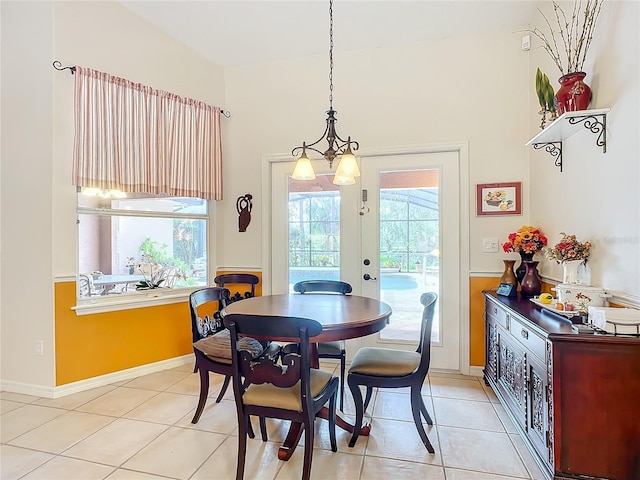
<point x="574" y="34"/>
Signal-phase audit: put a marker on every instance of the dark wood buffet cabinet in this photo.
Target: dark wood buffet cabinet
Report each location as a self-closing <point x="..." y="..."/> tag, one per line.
<point x="574" y="397"/>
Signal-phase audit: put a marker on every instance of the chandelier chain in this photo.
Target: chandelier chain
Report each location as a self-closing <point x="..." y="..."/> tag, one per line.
<point x="337" y="147"/>
<point x="331" y="54"/>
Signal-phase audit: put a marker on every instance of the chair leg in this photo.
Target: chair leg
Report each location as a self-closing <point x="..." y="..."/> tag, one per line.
<point x="308" y="449"/>
<point x="357" y="400"/>
<point x="242" y="446"/>
<point x="424" y="411"/>
<point x="227" y="379"/>
<point x="263" y="429"/>
<point x="204" y="391"/>
<point x="332" y="422"/>
<point x="343" y="360"/>
<point x="416" y="402"/>
<point x="367" y="398"/>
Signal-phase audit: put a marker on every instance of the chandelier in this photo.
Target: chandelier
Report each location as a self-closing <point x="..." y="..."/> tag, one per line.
<point x="337" y="147"/>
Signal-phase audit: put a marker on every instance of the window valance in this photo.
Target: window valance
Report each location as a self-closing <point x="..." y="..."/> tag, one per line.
<point x="135" y="138"/>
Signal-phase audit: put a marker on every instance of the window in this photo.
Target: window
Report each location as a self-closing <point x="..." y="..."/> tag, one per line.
<point x="132" y="242"/>
<point x="314" y="232"/>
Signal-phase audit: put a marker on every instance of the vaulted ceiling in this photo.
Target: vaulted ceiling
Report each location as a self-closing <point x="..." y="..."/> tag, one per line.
<point x="244" y="32"/>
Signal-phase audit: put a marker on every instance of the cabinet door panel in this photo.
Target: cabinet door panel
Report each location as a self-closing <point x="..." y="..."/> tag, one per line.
<point x="511" y="375"/>
<point x="537" y="407"/>
<point x="491" y="364"/>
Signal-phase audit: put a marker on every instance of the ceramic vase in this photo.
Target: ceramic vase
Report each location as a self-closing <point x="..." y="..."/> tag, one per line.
<point x="573" y="94"/>
<point x="570" y="274"/>
<point x="531" y="284"/>
<point x="508" y="276"/>
<point x="521" y="270"/>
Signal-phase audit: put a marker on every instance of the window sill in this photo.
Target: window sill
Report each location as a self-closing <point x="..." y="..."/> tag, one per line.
<point x="151" y="298"/>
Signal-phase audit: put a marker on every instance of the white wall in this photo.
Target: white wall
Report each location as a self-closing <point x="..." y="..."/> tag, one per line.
<point x="473" y="89"/>
<point x="477" y="89"/>
<point x="38" y="200"/>
<point x="597" y="196"/>
<point x="26" y="305"/>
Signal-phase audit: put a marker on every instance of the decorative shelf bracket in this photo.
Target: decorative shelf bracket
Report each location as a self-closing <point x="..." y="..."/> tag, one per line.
<point x="568" y="124"/>
<point x="552" y="148"/>
<point x="595" y="126"/>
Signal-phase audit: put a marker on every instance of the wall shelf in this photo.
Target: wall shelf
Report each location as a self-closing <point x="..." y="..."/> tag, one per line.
<point x="568" y="124"/>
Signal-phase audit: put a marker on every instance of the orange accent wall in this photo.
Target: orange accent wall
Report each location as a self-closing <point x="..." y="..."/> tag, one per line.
<point x="476" y="315"/>
<point x="91" y="345"/>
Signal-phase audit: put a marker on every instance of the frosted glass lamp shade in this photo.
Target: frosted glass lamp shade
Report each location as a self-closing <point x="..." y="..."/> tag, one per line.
<point x="348" y="166"/>
<point x="303" y="170"/>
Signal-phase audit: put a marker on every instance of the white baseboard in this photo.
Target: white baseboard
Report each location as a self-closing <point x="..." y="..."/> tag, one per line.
<point x="89" y="383"/>
<point x="476" y="371"/>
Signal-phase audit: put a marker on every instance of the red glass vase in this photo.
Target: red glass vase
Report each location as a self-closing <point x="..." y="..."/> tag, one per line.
<point x="531" y="284"/>
<point x="573" y="94"/>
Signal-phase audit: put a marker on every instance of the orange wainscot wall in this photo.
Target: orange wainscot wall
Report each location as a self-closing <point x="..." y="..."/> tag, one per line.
<point x="91" y="345"/>
<point x="476" y="315"/>
<point x="88" y="346"/>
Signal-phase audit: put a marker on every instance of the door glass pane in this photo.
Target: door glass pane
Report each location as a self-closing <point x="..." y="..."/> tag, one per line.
<point x="314" y="230"/>
<point x="409" y="260"/>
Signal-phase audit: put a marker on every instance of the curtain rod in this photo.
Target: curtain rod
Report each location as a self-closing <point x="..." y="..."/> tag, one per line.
<point x="58" y="66"/>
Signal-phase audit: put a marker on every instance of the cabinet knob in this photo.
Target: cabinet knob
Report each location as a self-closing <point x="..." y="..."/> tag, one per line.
<point x="524" y="333"/>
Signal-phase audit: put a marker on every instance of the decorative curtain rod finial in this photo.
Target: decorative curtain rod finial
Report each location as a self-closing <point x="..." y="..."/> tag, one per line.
<point x="58" y="66"/>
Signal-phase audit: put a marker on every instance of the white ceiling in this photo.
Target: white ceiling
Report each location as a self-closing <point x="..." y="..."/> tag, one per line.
<point x="245" y="32"/>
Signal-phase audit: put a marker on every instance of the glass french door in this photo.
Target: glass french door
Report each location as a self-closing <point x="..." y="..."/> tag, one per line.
<point x="393" y="235"/>
<point x="410" y="245"/>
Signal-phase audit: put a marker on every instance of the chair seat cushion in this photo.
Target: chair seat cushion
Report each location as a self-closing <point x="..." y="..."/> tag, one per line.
<point x="330" y="348"/>
<point x="384" y="362"/>
<point x="266" y="395"/>
<point x="218" y="346"/>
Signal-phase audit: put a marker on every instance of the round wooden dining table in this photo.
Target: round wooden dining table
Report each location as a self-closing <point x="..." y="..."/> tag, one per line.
<point x="342" y="317"/>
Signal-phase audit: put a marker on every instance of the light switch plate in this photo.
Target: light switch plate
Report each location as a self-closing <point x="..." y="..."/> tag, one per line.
<point x="490" y="245"/>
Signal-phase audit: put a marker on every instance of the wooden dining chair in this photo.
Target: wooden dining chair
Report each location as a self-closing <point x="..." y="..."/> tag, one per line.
<point x="290" y="390"/>
<point x="227" y="279"/>
<point x="212" y="343"/>
<point x="335" y="350"/>
<point x="391" y="368"/>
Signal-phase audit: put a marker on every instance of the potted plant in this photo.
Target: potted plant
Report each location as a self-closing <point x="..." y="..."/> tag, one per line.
<point x="546" y="98"/>
<point x="567" y="44"/>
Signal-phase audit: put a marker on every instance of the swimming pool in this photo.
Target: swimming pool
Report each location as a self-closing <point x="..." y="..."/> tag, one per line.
<point x="388" y="281"/>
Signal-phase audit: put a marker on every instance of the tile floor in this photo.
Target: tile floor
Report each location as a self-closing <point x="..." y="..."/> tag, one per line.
<point x="141" y="430"/>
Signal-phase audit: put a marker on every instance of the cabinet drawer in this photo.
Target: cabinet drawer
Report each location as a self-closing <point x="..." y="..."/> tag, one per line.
<point x="498" y="314"/>
<point x="528" y="338"/>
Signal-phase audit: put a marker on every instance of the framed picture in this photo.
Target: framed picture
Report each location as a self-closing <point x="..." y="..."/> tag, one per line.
<point x="499" y="198"/>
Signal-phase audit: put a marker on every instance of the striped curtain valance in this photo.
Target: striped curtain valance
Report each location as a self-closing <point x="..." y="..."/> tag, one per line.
<point x="134" y="138"/>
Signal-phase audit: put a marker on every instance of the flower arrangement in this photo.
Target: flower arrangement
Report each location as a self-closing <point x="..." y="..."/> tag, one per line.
<point x="527" y="239"/>
<point x="569" y="248"/>
<point x="574" y="34"/>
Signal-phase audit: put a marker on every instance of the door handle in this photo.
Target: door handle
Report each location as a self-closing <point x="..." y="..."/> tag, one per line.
<point x="368" y="277"/>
